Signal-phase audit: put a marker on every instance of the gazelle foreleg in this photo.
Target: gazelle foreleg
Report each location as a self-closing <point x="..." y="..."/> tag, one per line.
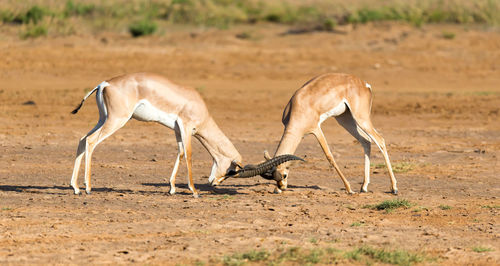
<point x="324" y="145"/>
<point x="180" y="155"/>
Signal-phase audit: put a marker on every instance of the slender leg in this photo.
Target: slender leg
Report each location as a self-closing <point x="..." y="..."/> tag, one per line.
<point x="180" y="155"/>
<point x="109" y="127"/>
<point x="78" y="161"/>
<point x="324" y="145"/>
<point x="186" y="140"/>
<point x="347" y="121"/>
<point x="380" y="142"/>
<point x="82" y="149"/>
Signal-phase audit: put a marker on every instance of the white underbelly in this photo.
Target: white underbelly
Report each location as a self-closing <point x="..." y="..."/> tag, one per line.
<point x="145" y="111"/>
<point x="335" y="111"/>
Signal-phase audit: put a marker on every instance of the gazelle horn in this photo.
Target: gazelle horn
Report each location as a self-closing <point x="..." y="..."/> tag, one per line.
<point x="253" y="170"/>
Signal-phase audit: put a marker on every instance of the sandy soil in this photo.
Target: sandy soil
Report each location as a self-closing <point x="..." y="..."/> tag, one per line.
<point x="436" y="102"/>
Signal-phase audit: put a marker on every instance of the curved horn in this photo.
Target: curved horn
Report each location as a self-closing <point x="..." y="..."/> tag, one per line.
<point x="251" y="170"/>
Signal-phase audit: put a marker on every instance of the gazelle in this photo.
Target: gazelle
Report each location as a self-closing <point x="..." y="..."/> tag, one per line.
<point x="150" y="97"/>
<point x="343" y="96"/>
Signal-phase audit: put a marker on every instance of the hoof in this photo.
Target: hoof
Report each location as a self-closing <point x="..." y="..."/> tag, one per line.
<point x="351" y="192"/>
<point x="196" y="196"/>
<point x="394" y="192"/>
<point x="78" y="192"/>
<point x="88" y="192"/>
<point x="171" y="192"/>
<point x="277" y="191"/>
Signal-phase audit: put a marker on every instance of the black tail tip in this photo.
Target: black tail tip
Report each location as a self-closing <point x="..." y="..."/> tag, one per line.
<point x="77" y="108"/>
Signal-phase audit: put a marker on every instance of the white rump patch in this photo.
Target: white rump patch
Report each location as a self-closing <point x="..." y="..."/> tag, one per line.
<point x="103" y="84"/>
<point x="335" y="111"/>
<point x="145" y="111"/>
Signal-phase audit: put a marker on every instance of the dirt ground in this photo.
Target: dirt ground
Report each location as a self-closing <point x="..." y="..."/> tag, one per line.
<point x="436" y="102"/>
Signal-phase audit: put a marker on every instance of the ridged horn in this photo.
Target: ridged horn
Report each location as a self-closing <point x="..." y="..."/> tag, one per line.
<point x="253" y="170"/>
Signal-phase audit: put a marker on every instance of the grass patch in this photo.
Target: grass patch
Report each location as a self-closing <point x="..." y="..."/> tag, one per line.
<point x="402" y="167"/>
<point x="322" y="15"/>
<point x="444" y="207"/>
<point x="357" y="224"/>
<point x="240" y="259"/>
<point x="398" y="167"/>
<point x="490" y="206"/>
<point x="78" y="9"/>
<point x="420" y="208"/>
<point x="390" y="205"/>
<point x="448" y="35"/>
<point x="142" y="28"/>
<point x="396" y="257"/>
<point x="34" y="31"/>
<point x="480" y="249"/>
<point x="33" y="15"/>
<point x="329" y="255"/>
<point x="297" y="255"/>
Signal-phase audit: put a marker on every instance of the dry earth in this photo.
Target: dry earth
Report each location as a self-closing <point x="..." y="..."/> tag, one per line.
<point x="436" y="101"/>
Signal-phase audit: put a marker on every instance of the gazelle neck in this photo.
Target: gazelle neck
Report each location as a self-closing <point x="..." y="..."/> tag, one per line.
<point x="219" y="146"/>
<point x="288" y="143"/>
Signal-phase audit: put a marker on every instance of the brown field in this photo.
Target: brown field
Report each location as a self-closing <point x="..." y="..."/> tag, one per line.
<point x="436" y="102"/>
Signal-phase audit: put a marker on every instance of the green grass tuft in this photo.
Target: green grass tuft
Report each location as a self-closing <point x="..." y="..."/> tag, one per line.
<point x="357" y="224"/>
<point x="490" y="206"/>
<point x="390" y="205"/>
<point x="444" y="207"/>
<point x="396" y="257"/>
<point x="480" y="249"/>
<point x="240" y="259"/>
<point x="448" y="35"/>
<point x="78" y="9"/>
<point x="142" y="28"/>
<point x="34" y="31"/>
<point x="33" y="15"/>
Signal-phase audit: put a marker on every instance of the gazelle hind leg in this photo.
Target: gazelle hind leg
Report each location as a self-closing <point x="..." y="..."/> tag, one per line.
<point x="109" y="127"/>
<point x="186" y="141"/>
<point x="347" y="121"/>
<point x="180" y="155"/>
<point x="81" y="150"/>
<point x="367" y="127"/>
<point x="82" y="145"/>
<point x="324" y="145"/>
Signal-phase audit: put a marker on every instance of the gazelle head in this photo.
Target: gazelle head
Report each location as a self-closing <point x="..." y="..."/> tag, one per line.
<point x="280" y="174"/>
<point x="222" y="170"/>
<point x="270" y="169"/>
